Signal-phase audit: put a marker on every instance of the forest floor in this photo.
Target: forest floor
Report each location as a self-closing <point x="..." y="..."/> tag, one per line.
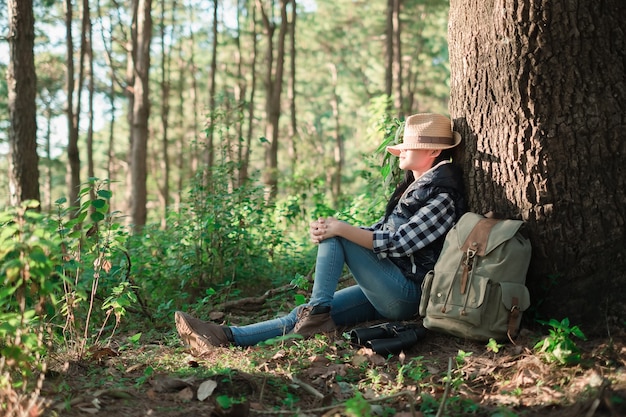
<point x="327" y="376"/>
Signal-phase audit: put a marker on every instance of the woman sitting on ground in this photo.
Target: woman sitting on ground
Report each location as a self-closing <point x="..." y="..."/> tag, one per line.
<point x="387" y="260"/>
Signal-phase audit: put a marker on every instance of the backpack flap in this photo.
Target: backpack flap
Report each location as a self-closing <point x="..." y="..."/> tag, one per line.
<point x="515" y="295"/>
<point x="484" y="235"/>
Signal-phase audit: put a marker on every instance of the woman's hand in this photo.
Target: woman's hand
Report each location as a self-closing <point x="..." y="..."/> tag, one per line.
<point x="324" y="228"/>
<point x="317" y="229"/>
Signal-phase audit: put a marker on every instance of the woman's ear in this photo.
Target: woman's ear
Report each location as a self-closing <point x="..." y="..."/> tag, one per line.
<point x="436" y="152"/>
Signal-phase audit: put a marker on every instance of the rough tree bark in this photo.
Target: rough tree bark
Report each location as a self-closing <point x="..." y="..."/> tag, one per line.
<point x="22" y="85"/>
<point x="538" y="92"/>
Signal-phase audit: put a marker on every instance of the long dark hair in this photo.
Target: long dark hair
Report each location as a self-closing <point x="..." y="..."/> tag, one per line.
<point x="408" y="179"/>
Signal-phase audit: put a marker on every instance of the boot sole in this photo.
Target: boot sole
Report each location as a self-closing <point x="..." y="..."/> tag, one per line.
<point x="190" y="337"/>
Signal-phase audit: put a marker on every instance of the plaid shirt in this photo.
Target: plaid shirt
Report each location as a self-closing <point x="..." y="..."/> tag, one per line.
<point x="429" y="223"/>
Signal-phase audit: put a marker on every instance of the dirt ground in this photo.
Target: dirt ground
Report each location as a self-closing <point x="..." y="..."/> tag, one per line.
<point x="512" y="382"/>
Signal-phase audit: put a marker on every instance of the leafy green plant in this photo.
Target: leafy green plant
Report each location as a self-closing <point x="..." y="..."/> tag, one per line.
<point x="29" y="286"/>
<point x="95" y="266"/>
<point x="559" y="346"/>
<point x="357" y="406"/>
<point x="494" y="346"/>
<point x="147" y="373"/>
<point x="414" y="369"/>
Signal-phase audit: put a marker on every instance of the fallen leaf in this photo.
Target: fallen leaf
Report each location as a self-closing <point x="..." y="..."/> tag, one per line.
<point x="206" y="389"/>
<point x="89" y="410"/>
<point x="186" y="394"/>
<point x="279" y="354"/>
<point x="216" y="315"/>
<point x="99" y="354"/>
<point x="358" y="360"/>
<point x="134" y="367"/>
<point x="169" y="384"/>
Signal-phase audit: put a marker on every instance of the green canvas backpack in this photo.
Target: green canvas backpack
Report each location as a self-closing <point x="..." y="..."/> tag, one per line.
<point x="477" y="289"/>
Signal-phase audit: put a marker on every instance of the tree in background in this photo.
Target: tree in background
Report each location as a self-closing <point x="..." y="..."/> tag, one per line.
<point x="538" y="92"/>
<point x="73" y="114"/>
<point x="274" y="75"/>
<point x="337" y="50"/>
<point x="142" y="37"/>
<point x="50" y="84"/>
<point x="22" y="91"/>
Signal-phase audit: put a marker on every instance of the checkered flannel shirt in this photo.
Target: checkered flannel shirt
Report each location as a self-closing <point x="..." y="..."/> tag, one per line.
<point x="428" y="224"/>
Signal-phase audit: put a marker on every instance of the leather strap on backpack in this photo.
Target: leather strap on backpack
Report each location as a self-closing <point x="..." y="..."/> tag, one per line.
<point x="475" y="244"/>
<point x="514" y="313"/>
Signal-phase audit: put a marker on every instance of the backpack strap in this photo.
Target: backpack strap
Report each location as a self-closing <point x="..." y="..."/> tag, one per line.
<point x="512" y="330"/>
<point x="475" y="244"/>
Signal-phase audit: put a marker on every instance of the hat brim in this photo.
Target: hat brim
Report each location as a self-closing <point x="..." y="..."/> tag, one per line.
<point x="396" y="149"/>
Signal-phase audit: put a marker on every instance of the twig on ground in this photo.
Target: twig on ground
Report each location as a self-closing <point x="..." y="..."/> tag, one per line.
<point x="332" y="407"/>
<point x="308" y="388"/>
<point x="251" y="303"/>
<point x="446" y="392"/>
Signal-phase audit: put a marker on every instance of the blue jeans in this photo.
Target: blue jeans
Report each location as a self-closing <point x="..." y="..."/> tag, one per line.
<point x="381" y="292"/>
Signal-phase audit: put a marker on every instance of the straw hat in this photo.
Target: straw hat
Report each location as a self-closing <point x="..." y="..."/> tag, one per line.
<point x="427" y="131"/>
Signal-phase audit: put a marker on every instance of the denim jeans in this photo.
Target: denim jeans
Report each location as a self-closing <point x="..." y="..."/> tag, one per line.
<point x="381" y="292"/>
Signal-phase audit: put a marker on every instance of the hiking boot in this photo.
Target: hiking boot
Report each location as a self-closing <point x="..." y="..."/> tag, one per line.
<point x="199" y="335"/>
<point x="313" y="320"/>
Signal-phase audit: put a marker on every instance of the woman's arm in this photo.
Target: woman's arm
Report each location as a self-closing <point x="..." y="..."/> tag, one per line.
<point x="325" y="228"/>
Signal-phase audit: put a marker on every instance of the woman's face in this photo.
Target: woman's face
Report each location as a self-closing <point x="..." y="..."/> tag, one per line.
<point x="418" y="160"/>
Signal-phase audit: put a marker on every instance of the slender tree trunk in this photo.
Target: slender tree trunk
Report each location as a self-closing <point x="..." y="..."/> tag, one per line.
<point x="87" y="29"/>
<point x="108" y="46"/>
<point x="291" y="90"/>
<point x="181" y="162"/>
<point x="195" y="149"/>
<point x="209" y="151"/>
<point x="21" y="82"/>
<point x="164" y="189"/>
<point x="73" y="157"/>
<point x="338" y="154"/>
<point x="243" y="174"/>
<point x="131" y="47"/>
<point x="48" y="147"/>
<point x="274" y="83"/>
<point x="537" y="90"/>
<point x="141" y="113"/>
<point x="389" y="49"/>
<point x="240" y="95"/>
<point x="397" y="59"/>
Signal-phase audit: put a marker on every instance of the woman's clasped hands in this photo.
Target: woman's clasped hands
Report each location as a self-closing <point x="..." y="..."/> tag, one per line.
<point x="323" y="228"/>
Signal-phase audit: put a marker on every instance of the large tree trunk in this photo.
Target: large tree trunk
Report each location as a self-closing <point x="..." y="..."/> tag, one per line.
<point x="141" y="113"/>
<point x="538" y="92"/>
<point x="22" y="85"/>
